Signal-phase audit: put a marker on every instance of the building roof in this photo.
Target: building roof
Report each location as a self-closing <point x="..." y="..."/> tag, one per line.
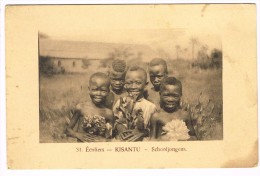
<point x="83" y="50"/>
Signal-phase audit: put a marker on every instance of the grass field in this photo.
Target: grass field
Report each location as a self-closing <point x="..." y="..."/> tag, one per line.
<point x="202" y="96"/>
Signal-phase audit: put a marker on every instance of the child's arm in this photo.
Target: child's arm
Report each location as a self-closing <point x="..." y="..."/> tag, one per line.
<point x="140" y="123"/>
<point x="81" y="136"/>
<point x="154" y="127"/>
<point x="110" y="117"/>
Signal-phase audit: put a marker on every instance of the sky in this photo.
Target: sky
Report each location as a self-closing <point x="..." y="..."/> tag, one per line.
<point x="157" y="39"/>
<point x="159" y="26"/>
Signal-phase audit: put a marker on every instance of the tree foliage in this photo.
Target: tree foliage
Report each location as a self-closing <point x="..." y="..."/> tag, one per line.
<point x="46" y="65"/>
<point x="208" y="61"/>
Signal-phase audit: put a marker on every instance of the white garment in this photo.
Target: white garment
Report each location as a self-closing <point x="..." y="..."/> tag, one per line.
<point x="146" y="106"/>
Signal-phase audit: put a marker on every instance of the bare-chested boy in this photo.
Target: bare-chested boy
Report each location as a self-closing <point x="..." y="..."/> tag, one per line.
<point x="92" y="120"/>
<point x="170" y="112"/>
<point x="157" y="71"/>
<point x="134" y="111"/>
<point x="117" y="79"/>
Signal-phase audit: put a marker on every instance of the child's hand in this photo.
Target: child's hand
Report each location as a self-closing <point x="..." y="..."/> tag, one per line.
<point x="108" y="132"/>
<point x="140" y="123"/>
<point x="84" y="137"/>
<point x="121" y="121"/>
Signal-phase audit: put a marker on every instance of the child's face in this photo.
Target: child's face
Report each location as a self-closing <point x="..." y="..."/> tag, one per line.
<point x="98" y="90"/>
<point x="170" y="97"/>
<point x="157" y="73"/>
<point x="117" y="80"/>
<point x="135" y="83"/>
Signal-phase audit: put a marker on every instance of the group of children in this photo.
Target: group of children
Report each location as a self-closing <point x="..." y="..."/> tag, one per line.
<point x="124" y="107"/>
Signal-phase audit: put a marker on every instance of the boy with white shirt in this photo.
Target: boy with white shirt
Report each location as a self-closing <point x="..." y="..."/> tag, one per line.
<point x="133" y="112"/>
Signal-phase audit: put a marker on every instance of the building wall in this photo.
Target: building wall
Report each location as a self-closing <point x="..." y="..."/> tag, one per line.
<point x="77" y="65"/>
<point x="69" y="65"/>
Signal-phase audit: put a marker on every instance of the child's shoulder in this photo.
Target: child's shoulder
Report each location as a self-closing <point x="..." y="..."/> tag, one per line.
<point x="156" y="116"/>
<point x="159" y="116"/>
<point x="86" y="107"/>
<point x="149" y="103"/>
<point x="82" y="105"/>
<point x="184" y="115"/>
<point x="79" y="106"/>
<point x="108" y="111"/>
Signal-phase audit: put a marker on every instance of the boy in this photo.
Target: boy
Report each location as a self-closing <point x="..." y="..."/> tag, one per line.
<point x="170" y="97"/>
<point x="93" y="121"/>
<point x="133" y="112"/>
<point x="117" y="79"/>
<point x="157" y="71"/>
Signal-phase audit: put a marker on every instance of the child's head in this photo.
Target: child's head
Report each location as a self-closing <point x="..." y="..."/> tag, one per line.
<point x="170" y="94"/>
<point x="157" y="71"/>
<point x="117" y="75"/>
<point x="136" y="81"/>
<point x="98" y="87"/>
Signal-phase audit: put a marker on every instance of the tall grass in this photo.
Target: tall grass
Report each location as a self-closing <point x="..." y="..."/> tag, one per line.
<point x="202" y="97"/>
<point x="59" y="94"/>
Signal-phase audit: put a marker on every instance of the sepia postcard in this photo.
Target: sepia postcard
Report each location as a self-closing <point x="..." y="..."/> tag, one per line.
<point x="131" y="86"/>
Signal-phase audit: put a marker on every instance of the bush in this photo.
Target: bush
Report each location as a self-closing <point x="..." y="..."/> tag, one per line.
<point x="45" y="65"/>
<point x="204" y="61"/>
<point x="207" y="118"/>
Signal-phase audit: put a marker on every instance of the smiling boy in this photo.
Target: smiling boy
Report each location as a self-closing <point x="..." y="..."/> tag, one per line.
<point x="170" y="110"/>
<point x="157" y="71"/>
<point x="140" y="110"/>
<point x="93" y="110"/>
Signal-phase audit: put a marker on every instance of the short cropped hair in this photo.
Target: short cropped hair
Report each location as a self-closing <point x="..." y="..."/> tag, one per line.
<point x="119" y="65"/>
<point x="138" y="68"/>
<point x="159" y="61"/>
<point x="170" y="81"/>
<point x="100" y="75"/>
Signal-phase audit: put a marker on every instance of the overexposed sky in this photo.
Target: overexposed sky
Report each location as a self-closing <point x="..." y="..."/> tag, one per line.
<point x="157" y="39"/>
<point x="159" y="26"/>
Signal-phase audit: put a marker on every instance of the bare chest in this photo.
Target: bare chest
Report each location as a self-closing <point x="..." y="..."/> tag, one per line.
<point x="167" y="117"/>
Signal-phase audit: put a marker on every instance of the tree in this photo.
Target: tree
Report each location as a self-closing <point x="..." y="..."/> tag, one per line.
<point x="205" y="48"/>
<point x="203" y="55"/>
<point x="162" y="53"/>
<point x="86" y="63"/>
<point x="178" y="47"/>
<point x="216" y="58"/>
<point x="194" y="42"/>
<point x="46" y="66"/>
<point x="185" y="52"/>
<point x="120" y="53"/>
<point x="42" y="35"/>
<point x="203" y="58"/>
